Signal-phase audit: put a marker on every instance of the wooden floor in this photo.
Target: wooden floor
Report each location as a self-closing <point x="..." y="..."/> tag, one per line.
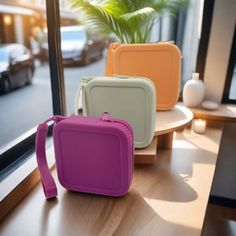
<point x="166" y="198"/>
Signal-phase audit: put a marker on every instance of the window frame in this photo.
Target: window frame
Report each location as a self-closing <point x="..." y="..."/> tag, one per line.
<point x="230" y="71"/>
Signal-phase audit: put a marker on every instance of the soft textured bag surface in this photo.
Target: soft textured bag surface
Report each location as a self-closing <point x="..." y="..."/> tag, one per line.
<point x="93" y="155"/>
<point x="127" y="98"/>
<point x="160" y="62"/>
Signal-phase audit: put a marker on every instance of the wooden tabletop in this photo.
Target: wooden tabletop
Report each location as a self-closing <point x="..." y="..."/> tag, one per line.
<point x="166" y="198"/>
<point x="175" y="119"/>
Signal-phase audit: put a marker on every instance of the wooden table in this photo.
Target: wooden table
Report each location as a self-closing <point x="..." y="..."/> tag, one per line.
<point x="168" y="197"/>
<point x="169" y="121"/>
<point x="166" y="123"/>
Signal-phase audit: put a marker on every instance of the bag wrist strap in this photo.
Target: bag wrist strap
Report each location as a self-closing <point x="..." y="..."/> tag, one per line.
<point x="79" y="100"/>
<point x="49" y="186"/>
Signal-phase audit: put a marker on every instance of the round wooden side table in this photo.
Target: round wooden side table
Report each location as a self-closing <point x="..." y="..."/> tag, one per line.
<point x="169" y="121"/>
<point x="166" y="123"/>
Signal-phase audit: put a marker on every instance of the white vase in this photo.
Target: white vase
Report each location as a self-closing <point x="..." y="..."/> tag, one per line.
<point x="193" y="91"/>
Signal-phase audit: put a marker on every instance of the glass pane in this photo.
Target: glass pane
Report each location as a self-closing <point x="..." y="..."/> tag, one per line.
<point x="184" y="28"/>
<point x="232" y="92"/>
<point x="83" y="55"/>
<point x="25" y="98"/>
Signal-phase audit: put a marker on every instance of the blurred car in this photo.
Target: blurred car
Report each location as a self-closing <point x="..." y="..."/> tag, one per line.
<point x="16" y="66"/>
<point x="77" y="46"/>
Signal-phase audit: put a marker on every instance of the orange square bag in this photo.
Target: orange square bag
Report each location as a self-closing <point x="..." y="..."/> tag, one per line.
<point x="160" y="62"/>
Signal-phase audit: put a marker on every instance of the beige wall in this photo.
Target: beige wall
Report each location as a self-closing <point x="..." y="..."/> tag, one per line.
<point x="221" y="36"/>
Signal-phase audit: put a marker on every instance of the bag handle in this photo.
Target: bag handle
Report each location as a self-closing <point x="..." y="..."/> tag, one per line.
<point x="49" y="186"/>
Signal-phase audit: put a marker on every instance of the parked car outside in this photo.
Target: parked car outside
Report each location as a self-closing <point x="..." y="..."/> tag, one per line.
<point x="78" y="46"/>
<point x="37" y="40"/>
<point x="16" y="66"/>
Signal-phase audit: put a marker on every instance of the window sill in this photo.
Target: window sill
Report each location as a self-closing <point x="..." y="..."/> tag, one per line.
<point x="18" y="184"/>
<point x="225" y="113"/>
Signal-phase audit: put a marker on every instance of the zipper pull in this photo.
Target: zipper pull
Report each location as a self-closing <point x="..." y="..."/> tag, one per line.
<point x="115" y="46"/>
<point x="106" y="117"/>
<point x="85" y="80"/>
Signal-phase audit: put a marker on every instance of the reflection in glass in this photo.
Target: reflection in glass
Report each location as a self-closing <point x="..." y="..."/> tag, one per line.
<point x="232" y="92"/>
<point x="25" y="98"/>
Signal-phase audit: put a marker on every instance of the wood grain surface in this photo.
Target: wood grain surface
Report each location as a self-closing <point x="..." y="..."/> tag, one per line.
<point x="166" y="198"/>
<point x="172" y="120"/>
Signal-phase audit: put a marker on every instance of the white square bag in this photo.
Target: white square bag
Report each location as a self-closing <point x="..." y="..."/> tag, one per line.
<point x="128" y="98"/>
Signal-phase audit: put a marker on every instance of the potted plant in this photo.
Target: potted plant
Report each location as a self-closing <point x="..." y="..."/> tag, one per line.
<point x="131" y="21"/>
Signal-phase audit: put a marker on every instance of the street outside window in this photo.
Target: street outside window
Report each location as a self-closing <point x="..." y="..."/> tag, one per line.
<point x="26" y="98"/>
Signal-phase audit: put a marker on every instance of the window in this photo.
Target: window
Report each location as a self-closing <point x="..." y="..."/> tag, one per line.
<point x="22" y="109"/>
<point x="232" y="91"/>
<point x="26" y="98"/>
<point x="229" y="95"/>
<point x="184" y="29"/>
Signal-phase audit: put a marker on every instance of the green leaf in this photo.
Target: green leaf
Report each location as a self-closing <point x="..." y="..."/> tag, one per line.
<point x="139" y="14"/>
<point x="130" y="20"/>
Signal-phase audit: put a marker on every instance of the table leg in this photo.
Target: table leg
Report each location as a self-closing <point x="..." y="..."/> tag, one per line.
<point x="146" y="155"/>
<point x="165" y="141"/>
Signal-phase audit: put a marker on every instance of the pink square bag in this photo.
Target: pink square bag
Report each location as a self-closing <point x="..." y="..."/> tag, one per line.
<point x="93" y="155"/>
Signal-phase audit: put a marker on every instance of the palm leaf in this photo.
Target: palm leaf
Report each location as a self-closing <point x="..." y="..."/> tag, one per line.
<point x="142" y="19"/>
<point x="98" y="19"/>
<point x="139" y="14"/>
<point x="130" y="20"/>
